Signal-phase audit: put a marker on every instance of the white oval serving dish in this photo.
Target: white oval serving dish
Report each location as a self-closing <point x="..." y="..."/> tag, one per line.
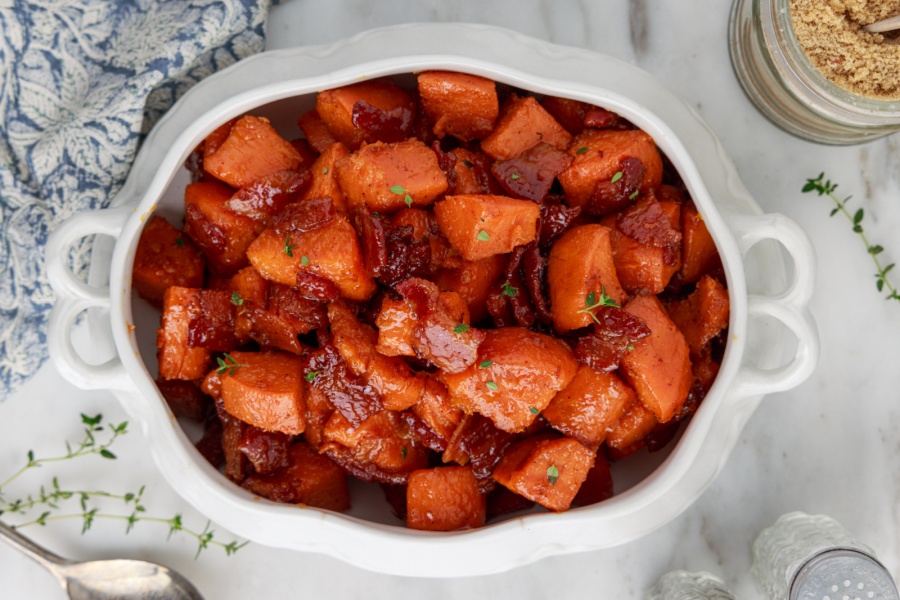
<point x="651" y="490"/>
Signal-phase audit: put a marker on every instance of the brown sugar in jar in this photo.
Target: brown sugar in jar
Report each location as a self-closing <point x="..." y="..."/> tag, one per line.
<point x="832" y="36"/>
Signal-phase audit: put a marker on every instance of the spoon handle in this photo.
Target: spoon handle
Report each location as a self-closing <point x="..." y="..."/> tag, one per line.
<point x="44" y="557"/>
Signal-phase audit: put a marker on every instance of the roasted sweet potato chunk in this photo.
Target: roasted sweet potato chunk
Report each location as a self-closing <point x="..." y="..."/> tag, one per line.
<point x="461" y="105"/>
<point x="221" y="235"/>
<point x="581" y="266"/>
<point x="515" y="376"/>
<point x="324" y="179"/>
<point x="388" y="177"/>
<point x="659" y="367"/>
<point x="164" y="257"/>
<point x="702" y="315"/>
<point x="337" y="107"/>
<point x="699" y="254"/>
<point x="524" y="124"/>
<point x="265" y="389"/>
<point x="177" y="359"/>
<point x="252" y="150"/>
<point x="587" y="407"/>
<point x="601" y="160"/>
<point x="444" y="499"/>
<point x="309" y="478"/>
<point x="473" y="281"/>
<point x="628" y="433"/>
<point x="546" y="469"/>
<point x="481" y="226"/>
<point x="316" y="131"/>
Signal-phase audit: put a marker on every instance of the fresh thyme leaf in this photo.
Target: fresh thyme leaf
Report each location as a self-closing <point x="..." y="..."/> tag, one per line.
<point x="485" y="364"/>
<point x="461" y="328"/>
<point x="591" y="302"/>
<point x="552" y="474"/>
<point x="492" y="386"/>
<point x="397" y="189"/>
<point x="533" y="410"/>
<point x="325" y="171"/>
<point x="179" y="242"/>
<point x="403" y="452"/>
<point x="616" y="177"/>
<point x="468" y="163"/>
<point x="107" y="454"/>
<point x="408" y="200"/>
<point x="581" y="150"/>
<point x="227" y="363"/>
<point x="633" y="195"/>
<point x="824" y="187"/>
<point x="509" y="290"/>
<point x="514" y="176"/>
<point x="483" y="235"/>
<point x="311" y="376"/>
<point x="304" y="260"/>
<point x="236" y="299"/>
<point x="288" y="247"/>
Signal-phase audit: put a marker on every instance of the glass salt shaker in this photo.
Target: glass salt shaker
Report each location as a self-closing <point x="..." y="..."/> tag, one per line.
<point x="812" y="557"/>
<point x="684" y="585"/>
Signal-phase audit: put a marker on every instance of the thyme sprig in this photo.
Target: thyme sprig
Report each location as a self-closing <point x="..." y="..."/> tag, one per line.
<point x="54" y="500"/>
<point x="824" y="187"/>
<point x="591" y="302"/>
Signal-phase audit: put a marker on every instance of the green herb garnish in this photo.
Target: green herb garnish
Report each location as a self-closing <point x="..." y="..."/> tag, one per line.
<point x="179" y="242"/>
<point x="591" y="302"/>
<point x="403" y="452"/>
<point x="824" y="187"/>
<point x="552" y="474"/>
<point x="483" y="235"/>
<point x="492" y="386"/>
<point x="311" y="376"/>
<point x="304" y="260"/>
<point x="325" y="171"/>
<point x="227" y="363"/>
<point x="533" y="410"/>
<point x="400" y="190"/>
<point x="461" y="328"/>
<point x="514" y="176"/>
<point x="633" y="194"/>
<point x="485" y="364"/>
<point x="288" y="246"/>
<point x="236" y="299"/>
<point x="509" y="290"/>
<point x="581" y="150"/>
<point x="616" y="177"/>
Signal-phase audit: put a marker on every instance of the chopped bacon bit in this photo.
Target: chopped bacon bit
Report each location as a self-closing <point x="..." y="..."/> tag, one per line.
<point x="381" y="125"/>
<point x="616" y="330"/>
<point x="646" y="222"/>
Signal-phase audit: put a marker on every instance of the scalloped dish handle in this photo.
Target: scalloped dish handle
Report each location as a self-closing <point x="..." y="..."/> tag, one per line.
<point x="791" y="307"/>
<point x="74" y="297"/>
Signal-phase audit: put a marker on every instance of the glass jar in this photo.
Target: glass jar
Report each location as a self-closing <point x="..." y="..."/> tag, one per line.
<point x="684" y="585"/>
<point x="784" y="85"/>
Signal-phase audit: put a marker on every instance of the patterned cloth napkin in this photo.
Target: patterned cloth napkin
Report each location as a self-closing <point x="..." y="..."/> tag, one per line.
<point x="81" y="84"/>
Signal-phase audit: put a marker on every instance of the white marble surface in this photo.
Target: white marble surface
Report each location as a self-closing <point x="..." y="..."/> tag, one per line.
<point x="831" y="446"/>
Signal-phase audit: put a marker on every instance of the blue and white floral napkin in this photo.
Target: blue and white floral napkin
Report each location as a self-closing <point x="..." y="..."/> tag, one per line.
<point x="81" y="83"/>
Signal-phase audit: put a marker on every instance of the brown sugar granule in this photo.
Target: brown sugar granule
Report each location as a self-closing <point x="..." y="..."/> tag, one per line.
<point x="831" y="34"/>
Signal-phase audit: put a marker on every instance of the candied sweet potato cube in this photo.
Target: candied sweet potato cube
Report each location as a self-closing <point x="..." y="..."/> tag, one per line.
<point x="698" y="250"/>
<point x="389" y="375"/>
<point x="336" y="107"/>
<point x="473" y="281"/>
<point x="375" y="450"/>
<point x="461" y="105"/>
<point x="659" y="366"/>
<point x="522" y="372"/>
<point x="395" y="323"/>
<point x="702" y="315"/>
<point x="586" y="408"/>
<point x="324" y="179"/>
<point x="568" y="113"/>
<point x="598" y="485"/>
<point x="309" y="478"/>
<point x="331" y="251"/>
<point x="479" y="226"/>
<point x="217" y="137"/>
<point x="316" y="131"/>
<point x="249" y="286"/>
<point x="164" y="257"/>
<point x="444" y="499"/>
<point x="265" y="389"/>
<point x="546" y="469"/>
<point x="580" y="264"/>
<point x="388" y="177"/>
<point x="221" y="235"/>
<point x="523" y="124"/>
<point x="435" y="409"/>
<point x="604" y="152"/>
<point x="628" y="433"/>
<point x="477" y="442"/>
<point x="640" y="267"/>
<point x="177" y="360"/>
<point x="252" y="150"/>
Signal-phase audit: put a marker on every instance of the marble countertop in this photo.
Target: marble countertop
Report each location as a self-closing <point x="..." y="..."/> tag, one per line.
<point x="830" y="446"/>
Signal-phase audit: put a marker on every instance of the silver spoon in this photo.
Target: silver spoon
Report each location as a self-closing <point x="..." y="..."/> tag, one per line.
<point x="889" y="24"/>
<point x="107" y="579"/>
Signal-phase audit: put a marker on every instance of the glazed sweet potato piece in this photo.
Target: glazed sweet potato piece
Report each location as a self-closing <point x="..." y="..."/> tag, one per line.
<point x="374" y="451"/>
<point x="641" y="267"/>
<point x="659" y="366"/>
<point x="331" y="251"/>
<point x="479" y="226"/>
<point x="444" y="499"/>
<point x="628" y="433"/>
<point x="461" y="105"/>
<point x="388" y="177"/>
<point x="523" y="124"/>
<point x="324" y="180"/>
<point x="316" y="131"/>
<point x="598" y="485"/>
<point x="436" y="411"/>
<point x="221" y="235"/>
<point x="581" y="264"/>
<point x="588" y="406"/>
<point x="309" y="479"/>
<point x="702" y="315"/>
<point x="397" y="321"/>
<point x="267" y="196"/>
<point x="568" y="113"/>
<point x="473" y="281"/>
<point x="545" y="468"/>
<point x="389" y="375"/>
<point x="699" y="255"/>
<point x="252" y="150"/>
<point x="336" y="108"/>
<point x="265" y="389"/>
<point x="515" y="376"/>
<point x="249" y="286"/>
<point x="605" y="149"/>
<point x="164" y="257"/>
<point x="177" y="360"/>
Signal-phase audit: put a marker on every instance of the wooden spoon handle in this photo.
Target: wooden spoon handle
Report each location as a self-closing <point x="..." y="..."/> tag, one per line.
<point x="889" y="24"/>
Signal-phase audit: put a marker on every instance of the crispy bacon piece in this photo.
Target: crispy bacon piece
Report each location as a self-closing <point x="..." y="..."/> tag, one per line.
<point x="530" y="175"/>
<point x="478" y="442"/>
<point x="212" y="326"/>
<point x="533" y="271"/>
<point x="303" y="216"/>
<point x="372" y="239"/>
<point x="316" y="287"/>
<point x="405" y="257"/>
<point x="609" y="196"/>
<point x="555" y="220"/>
<point x="646" y="222"/>
<point x="381" y="125"/>
<point x="601" y="118"/>
<point x="267" y="451"/>
<point x="266" y="197"/>
<point x="355" y="399"/>
<point x="617" y="329"/>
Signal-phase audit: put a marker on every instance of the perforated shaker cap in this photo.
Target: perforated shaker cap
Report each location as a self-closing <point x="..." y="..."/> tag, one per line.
<point x="841" y="574"/>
